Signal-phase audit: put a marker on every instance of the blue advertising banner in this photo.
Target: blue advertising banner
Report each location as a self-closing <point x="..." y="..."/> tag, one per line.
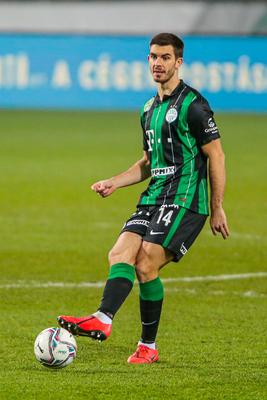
<point x="111" y="72"/>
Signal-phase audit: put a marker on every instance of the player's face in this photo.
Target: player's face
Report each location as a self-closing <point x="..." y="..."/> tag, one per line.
<point x="162" y="62"/>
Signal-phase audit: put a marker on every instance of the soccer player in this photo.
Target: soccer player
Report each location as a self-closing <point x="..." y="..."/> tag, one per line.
<point x="180" y="141"/>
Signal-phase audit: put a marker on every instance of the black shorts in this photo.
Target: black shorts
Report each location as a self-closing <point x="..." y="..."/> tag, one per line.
<point x="173" y="227"/>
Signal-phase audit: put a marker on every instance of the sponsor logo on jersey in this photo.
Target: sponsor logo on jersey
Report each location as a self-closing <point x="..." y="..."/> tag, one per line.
<point x="171" y="115"/>
<point x="212" y="126"/>
<point x="138" y="222"/>
<point x="183" y="249"/>
<point x="150" y="139"/>
<point x="211" y="123"/>
<point x="163" y="171"/>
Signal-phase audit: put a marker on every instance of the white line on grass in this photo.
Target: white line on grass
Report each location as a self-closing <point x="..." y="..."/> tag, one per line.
<point x="100" y="284"/>
<point x="195" y="292"/>
<point x="243" y="236"/>
<point x="216" y="278"/>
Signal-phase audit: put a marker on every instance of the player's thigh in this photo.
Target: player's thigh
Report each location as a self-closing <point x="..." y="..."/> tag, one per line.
<point x="126" y="248"/>
<point x="150" y="259"/>
<point x="175" y="228"/>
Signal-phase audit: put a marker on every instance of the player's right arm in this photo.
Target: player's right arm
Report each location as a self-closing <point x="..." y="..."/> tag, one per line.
<point x="138" y="172"/>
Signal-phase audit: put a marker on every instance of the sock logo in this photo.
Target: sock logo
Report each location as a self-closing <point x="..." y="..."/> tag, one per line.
<point x="149" y="323"/>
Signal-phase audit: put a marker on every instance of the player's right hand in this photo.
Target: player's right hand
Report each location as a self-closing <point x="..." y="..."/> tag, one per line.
<point x="104" y="188"/>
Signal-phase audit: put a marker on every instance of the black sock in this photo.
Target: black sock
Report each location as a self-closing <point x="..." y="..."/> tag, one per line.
<point x="151" y="299"/>
<point x="118" y="286"/>
<point x="150" y="316"/>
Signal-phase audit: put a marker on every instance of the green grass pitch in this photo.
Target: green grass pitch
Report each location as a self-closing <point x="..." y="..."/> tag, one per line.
<point x="212" y="337"/>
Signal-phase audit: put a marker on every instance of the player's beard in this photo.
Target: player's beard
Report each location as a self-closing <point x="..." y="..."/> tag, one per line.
<point x="163" y="76"/>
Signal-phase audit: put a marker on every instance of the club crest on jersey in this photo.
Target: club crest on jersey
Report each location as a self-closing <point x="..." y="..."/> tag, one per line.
<point x="171" y="115"/>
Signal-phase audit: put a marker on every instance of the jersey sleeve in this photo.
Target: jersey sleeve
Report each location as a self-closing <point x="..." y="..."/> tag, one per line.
<point x="201" y="122"/>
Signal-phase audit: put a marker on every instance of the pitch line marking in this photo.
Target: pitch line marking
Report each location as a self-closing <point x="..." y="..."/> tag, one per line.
<point x="217" y="278"/>
<point x="195" y="292"/>
<point x="101" y="284"/>
<point x="243" y="236"/>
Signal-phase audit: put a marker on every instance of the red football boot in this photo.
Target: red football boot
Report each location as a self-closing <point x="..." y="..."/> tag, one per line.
<point x="85" y="326"/>
<point x="143" y="355"/>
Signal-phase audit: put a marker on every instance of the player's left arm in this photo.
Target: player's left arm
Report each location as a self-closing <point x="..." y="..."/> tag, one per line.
<point x="218" y="221"/>
<point x="203" y="127"/>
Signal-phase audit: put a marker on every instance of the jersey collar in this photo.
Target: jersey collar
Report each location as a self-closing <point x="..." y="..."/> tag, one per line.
<point x="175" y="92"/>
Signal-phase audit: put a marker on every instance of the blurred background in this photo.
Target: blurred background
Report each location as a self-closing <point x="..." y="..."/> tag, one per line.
<point x="93" y="54"/>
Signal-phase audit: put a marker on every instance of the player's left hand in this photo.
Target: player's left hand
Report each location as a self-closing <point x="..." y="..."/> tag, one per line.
<point x="218" y="222"/>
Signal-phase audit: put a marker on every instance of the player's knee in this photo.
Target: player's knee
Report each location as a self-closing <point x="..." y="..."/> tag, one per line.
<point x="145" y="268"/>
<point x="115" y="256"/>
<point x="150" y="259"/>
<point x="145" y="271"/>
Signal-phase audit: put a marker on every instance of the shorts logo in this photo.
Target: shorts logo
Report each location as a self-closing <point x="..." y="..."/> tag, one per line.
<point x="183" y="249"/>
<point x="169" y="206"/>
<point x="171" y="115"/>
<point x="138" y="222"/>
<point x="156" y="233"/>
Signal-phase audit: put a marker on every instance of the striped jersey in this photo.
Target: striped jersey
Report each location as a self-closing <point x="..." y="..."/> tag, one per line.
<point x="174" y="130"/>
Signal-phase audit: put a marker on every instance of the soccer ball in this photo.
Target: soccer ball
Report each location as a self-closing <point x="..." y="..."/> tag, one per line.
<point x="55" y="348"/>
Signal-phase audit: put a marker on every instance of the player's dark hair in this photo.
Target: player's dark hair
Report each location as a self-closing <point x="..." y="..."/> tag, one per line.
<point x="166" y="39"/>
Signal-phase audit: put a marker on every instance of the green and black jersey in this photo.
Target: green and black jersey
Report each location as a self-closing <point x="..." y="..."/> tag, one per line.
<point x="174" y="130"/>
